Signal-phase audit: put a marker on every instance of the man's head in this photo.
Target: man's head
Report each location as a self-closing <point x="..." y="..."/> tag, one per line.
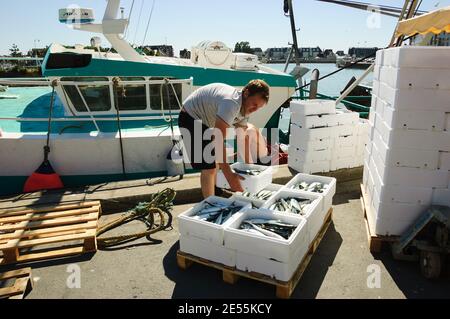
<point x="254" y="96"/>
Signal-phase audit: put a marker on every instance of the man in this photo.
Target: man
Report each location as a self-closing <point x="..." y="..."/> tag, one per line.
<point x="220" y="106"/>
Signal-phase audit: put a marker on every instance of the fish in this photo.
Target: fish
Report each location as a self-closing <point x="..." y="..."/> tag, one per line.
<point x="217" y="213"/>
<point x="294" y="205"/>
<point x="263" y="231"/>
<point x="269" y="227"/>
<point x="315" y="187"/>
<point x="251" y="172"/>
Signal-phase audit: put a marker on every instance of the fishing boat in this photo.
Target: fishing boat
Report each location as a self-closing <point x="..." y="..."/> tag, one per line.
<point x="114" y="115"/>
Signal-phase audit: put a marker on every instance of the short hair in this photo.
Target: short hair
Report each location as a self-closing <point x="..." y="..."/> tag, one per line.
<point x="255" y="87"/>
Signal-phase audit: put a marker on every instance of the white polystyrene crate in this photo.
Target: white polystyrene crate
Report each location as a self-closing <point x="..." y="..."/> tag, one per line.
<point x="415" y="78"/>
<point x="343" y="152"/>
<point x="444" y="161"/>
<point x="395" y="218"/>
<point x="376" y="87"/>
<point x="346" y="117"/>
<point x="414" y="119"/>
<point x="361" y="144"/>
<point x="346" y="141"/>
<point x="328" y="192"/>
<point x="281" y="250"/>
<point x="254" y="201"/>
<point x="379" y="58"/>
<point x="380" y="106"/>
<point x="308" y="167"/>
<point x="337" y="163"/>
<point x="311" y="156"/>
<point x="373" y="101"/>
<point x="372" y="117"/>
<point x="392" y="224"/>
<point x="406" y="157"/>
<point x="314" y="213"/>
<point x="311" y="107"/>
<point x="367" y="151"/>
<point x="316" y="145"/>
<point x="403" y="194"/>
<point x="390" y="175"/>
<point x="417" y="139"/>
<point x="441" y="196"/>
<point x="383" y="129"/>
<point x="272" y="268"/>
<point x="312" y="121"/>
<point x="419" y="99"/>
<point x="344" y="130"/>
<point x="207" y="250"/>
<point x="363" y="127"/>
<point x="304" y="135"/>
<point x="250" y="184"/>
<point x="422" y="57"/>
<point x="192" y="227"/>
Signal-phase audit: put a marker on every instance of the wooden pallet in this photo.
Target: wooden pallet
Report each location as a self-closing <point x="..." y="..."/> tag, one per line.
<point x="22" y="283"/>
<point x="376" y="242"/>
<point x="284" y="289"/>
<point x="48" y="232"/>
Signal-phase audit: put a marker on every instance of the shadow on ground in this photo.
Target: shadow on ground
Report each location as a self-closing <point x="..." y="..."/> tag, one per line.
<point x="203" y="282"/>
<point x="410" y="281"/>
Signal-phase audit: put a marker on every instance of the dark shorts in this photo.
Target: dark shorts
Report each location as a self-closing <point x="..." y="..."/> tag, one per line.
<point x="195" y="145"/>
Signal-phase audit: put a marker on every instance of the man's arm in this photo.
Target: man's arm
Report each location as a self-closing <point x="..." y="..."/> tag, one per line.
<point x="232" y="178"/>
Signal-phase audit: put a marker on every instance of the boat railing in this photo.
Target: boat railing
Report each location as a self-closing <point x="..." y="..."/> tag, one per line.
<point x="48" y="82"/>
<point x="89" y="117"/>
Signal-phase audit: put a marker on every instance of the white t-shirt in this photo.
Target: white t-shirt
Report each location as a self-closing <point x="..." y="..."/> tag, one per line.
<point x="216" y="99"/>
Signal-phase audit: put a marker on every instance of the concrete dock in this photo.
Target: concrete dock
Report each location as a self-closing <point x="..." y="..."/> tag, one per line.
<point x="342" y="267"/>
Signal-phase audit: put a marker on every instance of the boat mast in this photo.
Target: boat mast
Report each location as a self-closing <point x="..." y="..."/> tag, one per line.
<point x="289" y="8"/>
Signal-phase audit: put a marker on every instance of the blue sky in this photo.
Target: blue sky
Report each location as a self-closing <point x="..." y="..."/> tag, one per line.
<point x="185" y="23"/>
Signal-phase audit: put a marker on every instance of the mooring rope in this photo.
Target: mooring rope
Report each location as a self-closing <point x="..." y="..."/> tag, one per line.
<point x="160" y="204"/>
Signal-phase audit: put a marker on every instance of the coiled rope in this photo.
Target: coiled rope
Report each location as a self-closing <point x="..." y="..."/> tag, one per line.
<point x="159" y="206"/>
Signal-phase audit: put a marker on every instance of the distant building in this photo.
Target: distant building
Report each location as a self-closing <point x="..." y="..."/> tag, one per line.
<point x="442" y="39"/>
<point x="37" y="52"/>
<point x="258" y="52"/>
<point x="185" y="54"/>
<point x="361" y="52"/>
<point x="277" y="53"/>
<point x="340" y="53"/>
<point x="163" y="50"/>
<point x="328" y="53"/>
<point x="310" y="53"/>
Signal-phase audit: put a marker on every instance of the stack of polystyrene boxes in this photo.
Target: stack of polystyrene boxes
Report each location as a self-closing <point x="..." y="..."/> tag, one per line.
<point x="253" y="252"/>
<point x="407" y="159"/>
<point x="324" y="139"/>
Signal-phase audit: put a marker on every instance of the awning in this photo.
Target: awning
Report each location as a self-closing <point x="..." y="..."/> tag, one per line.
<point x="435" y="22"/>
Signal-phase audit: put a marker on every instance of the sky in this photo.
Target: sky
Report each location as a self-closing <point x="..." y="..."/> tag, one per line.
<point x="184" y="24"/>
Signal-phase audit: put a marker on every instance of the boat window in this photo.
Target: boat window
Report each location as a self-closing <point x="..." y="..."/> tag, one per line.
<point x="83" y="79"/>
<point x="97" y="97"/>
<point x="155" y="97"/>
<point x="131" y="97"/>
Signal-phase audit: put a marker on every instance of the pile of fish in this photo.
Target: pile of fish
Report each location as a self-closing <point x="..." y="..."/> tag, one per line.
<point x="261" y="195"/>
<point x="315" y="187"/>
<point x="268" y="227"/>
<point x="217" y="213"/>
<point x="295" y="205"/>
<point x="251" y="172"/>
